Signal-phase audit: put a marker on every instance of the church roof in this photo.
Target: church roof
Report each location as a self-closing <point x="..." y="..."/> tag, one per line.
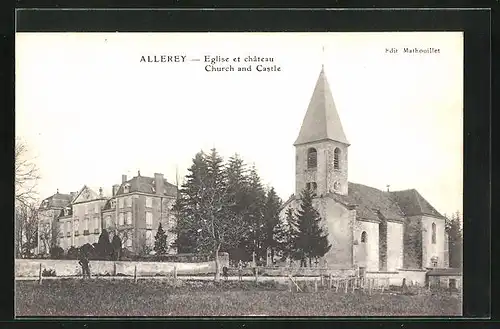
<point x="371" y="203"/>
<point x="321" y="120"/>
<point x="58" y="200"/>
<point x="145" y="184"/>
<point x="412" y="203"/>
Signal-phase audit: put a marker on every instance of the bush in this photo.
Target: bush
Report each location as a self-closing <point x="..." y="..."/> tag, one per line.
<point x="48" y="272"/>
<point x="72" y="253"/>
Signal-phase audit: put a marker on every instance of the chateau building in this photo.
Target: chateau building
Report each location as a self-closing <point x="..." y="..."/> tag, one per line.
<point x="133" y="212"/>
<point x="367" y="227"/>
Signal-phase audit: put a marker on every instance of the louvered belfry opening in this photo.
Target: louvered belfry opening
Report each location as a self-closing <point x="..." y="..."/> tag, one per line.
<point x="312" y="158"/>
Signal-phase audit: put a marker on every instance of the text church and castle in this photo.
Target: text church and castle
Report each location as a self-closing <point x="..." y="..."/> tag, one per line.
<point x="373" y="229"/>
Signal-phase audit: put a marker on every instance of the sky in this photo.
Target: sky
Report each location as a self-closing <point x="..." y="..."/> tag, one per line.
<point x="89" y="110"/>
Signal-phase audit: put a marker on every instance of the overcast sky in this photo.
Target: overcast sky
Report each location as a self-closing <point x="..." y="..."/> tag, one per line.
<point x="90" y="110"/>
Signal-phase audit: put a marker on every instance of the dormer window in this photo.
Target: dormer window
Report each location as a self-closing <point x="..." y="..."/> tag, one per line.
<point x="312" y="158"/>
<point x="126" y="188"/>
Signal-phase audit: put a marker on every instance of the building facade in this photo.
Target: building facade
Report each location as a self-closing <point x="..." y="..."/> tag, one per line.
<point x="368" y="228"/>
<point x="133" y="212"/>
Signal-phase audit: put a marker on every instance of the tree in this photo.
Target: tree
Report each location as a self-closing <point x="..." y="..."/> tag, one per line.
<point x="455" y="239"/>
<point x="286" y="233"/>
<point x="104" y="247"/>
<point x="272" y="208"/>
<point x="56" y="252"/>
<point x="117" y="247"/>
<point x="254" y="216"/>
<point x="204" y="206"/>
<point x="160" y="246"/>
<point x="312" y="240"/>
<point x="26" y="175"/>
<point x="26" y="230"/>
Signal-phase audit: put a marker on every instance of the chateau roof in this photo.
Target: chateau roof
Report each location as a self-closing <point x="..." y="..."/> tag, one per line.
<point x="145" y="184"/>
<point x="321" y="120"/>
<point x="58" y="200"/>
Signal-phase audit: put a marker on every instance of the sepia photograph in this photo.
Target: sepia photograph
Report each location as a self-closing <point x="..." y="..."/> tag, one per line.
<point x="239" y="174"/>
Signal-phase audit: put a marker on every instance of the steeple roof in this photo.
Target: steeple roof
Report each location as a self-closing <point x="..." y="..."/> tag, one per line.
<point x="321" y="120"/>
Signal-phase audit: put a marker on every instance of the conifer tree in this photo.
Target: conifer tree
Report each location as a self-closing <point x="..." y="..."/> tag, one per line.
<point x="160" y="246"/>
<point x="312" y="240"/>
<point x="272" y="207"/>
<point x="104" y="247"/>
<point x="204" y="208"/>
<point x="286" y="234"/>
<point x="254" y="219"/>
<point x="455" y="240"/>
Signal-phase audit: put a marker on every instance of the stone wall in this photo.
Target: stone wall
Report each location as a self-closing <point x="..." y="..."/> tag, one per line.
<point x="412" y="238"/>
<point x="324" y="174"/>
<point x="396" y="278"/>
<point x="430" y="249"/>
<point x="31" y="267"/>
<point x="367" y="253"/>
<point x="394" y="246"/>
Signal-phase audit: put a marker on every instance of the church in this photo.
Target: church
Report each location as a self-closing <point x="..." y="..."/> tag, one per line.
<point x="375" y="230"/>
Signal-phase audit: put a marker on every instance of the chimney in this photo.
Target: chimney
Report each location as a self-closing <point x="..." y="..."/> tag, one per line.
<point x="115" y="189"/>
<point x="158" y="183"/>
<point x="100" y="192"/>
<point x="388" y="187"/>
<point x="124" y="178"/>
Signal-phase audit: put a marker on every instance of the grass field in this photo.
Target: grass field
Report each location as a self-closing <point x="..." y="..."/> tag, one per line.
<point x="74" y="297"/>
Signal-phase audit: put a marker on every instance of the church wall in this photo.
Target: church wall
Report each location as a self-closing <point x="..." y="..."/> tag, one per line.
<point x="324" y="174"/>
<point x="412" y="239"/>
<point x="430" y="249"/>
<point x="367" y="253"/>
<point x="394" y="246"/>
<point x="339" y="222"/>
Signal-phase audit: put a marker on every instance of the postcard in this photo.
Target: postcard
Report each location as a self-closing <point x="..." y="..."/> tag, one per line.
<point x="239" y="174"/>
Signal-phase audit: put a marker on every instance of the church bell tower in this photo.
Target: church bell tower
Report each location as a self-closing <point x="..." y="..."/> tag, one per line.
<point x="321" y="147"/>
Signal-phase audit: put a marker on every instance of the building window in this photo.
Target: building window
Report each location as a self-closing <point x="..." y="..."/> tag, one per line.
<point x="96" y="224"/>
<point x="149" y="238"/>
<point x="336" y="158"/>
<point x="120" y="203"/>
<point x="149" y="202"/>
<point x="107" y="222"/>
<point x="86" y="226"/>
<point x="364" y="237"/>
<point x="129" y="218"/>
<point x="149" y="220"/>
<point x="312" y="158"/>
<point x="76" y="227"/>
<point x="121" y="219"/>
<point x="433" y="233"/>
<point x="86" y="209"/>
<point x="434" y="261"/>
<point x="96" y="208"/>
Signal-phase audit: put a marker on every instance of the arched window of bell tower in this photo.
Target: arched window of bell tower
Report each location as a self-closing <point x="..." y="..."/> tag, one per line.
<point x="312" y="158"/>
<point x="336" y="158"/>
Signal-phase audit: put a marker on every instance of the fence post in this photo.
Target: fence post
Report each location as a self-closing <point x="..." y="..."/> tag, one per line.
<point x="135" y="274"/>
<point x="175" y="274"/>
<point x="290" y="285"/>
<point x="346" y="285"/>
<point x="322" y="279"/>
<point x="315" y="285"/>
<point x="40" y="274"/>
<point x="256" y="274"/>
<point x="114" y="268"/>
<point x="354" y="283"/>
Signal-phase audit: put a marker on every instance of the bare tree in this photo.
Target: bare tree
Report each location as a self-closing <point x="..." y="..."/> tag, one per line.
<point x="26" y="174"/>
<point x="26" y="228"/>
